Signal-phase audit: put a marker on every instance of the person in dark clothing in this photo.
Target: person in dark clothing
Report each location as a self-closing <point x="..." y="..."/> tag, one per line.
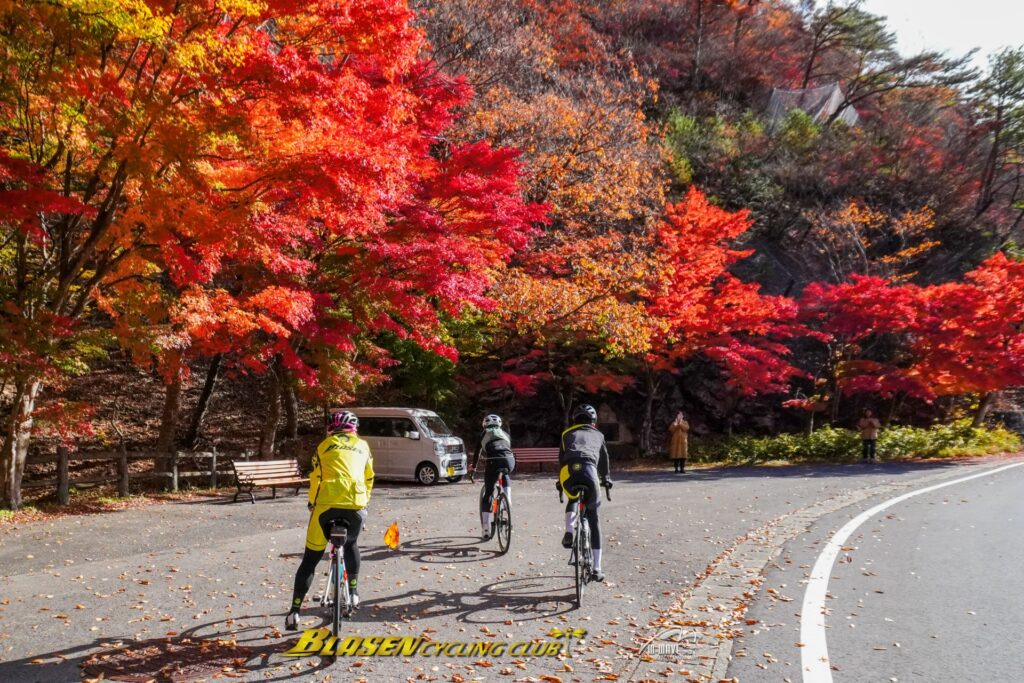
<point x="496" y="450"/>
<point x="583" y="461"/>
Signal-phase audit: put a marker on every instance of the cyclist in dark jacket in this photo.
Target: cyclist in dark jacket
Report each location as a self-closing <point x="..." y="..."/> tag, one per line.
<point x="496" y="450"/>
<point x="583" y="461"/>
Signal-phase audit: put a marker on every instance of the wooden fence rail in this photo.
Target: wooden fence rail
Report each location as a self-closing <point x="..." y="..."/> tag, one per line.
<point x="219" y="464"/>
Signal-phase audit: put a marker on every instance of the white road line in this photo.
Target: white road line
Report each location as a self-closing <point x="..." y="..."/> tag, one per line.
<point x="814" y="654"/>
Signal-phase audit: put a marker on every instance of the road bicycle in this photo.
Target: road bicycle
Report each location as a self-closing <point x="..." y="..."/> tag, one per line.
<point x="336" y="593"/>
<point x="501" y="511"/>
<point x="581" y="556"/>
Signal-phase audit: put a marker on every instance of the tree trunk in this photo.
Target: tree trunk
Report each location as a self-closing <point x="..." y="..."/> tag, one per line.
<point x="15" y="441"/>
<point x="989" y="170"/>
<point x="647" y="426"/>
<point x="199" y="414"/>
<point x="891" y="413"/>
<point x="269" y="434"/>
<point x="736" y="33"/>
<point x="984" y="405"/>
<point x="291" y="411"/>
<point x="166" y="441"/>
<point x="698" y="48"/>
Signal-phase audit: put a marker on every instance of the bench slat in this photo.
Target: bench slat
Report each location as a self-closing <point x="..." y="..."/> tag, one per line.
<point x="274" y="470"/>
<point x="268" y="468"/>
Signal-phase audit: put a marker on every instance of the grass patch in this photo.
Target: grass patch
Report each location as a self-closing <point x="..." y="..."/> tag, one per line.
<point x="828" y="444"/>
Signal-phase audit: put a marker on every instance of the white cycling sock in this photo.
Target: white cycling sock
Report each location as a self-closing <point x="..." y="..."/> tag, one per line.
<point x="597" y="558"/>
<point x="485" y="522"/>
<point x="508" y="494"/>
<point x="570" y="519"/>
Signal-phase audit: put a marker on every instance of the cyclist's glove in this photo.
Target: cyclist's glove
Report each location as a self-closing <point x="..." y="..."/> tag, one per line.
<point x="558" y="486"/>
<point x="607" y="483"/>
<point x="309" y="506"/>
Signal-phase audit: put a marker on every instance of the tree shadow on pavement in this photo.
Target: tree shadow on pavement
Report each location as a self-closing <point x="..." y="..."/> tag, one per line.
<point x="234" y="648"/>
<point x="525" y="599"/>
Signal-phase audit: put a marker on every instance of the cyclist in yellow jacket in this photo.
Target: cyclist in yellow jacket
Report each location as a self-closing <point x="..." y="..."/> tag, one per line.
<point x="339" y="489"/>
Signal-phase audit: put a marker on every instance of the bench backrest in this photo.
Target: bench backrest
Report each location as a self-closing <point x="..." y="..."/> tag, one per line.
<point x="536" y="454"/>
<point x="255" y="470"/>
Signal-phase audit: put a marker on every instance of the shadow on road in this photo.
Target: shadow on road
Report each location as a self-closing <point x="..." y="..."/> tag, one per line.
<point x="218" y="649"/>
<point x="525" y="599"/>
<point x="441" y="549"/>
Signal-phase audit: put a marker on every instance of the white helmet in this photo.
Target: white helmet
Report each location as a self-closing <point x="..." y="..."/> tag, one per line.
<point x="492" y="421"/>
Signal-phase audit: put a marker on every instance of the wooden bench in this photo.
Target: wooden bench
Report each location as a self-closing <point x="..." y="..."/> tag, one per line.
<point x="263" y="473"/>
<point x="535" y="455"/>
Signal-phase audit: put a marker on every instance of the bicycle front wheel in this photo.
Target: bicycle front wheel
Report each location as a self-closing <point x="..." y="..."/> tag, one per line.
<point x="503" y="523"/>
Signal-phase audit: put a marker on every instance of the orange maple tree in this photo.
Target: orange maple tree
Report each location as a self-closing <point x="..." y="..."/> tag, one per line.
<point x="265" y="179"/>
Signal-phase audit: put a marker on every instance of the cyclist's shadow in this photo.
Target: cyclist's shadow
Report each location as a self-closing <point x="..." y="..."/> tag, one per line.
<point x="521" y="599"/>
<point x="441" y="549"/>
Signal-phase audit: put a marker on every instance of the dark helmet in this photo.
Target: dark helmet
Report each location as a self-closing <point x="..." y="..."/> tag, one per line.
<point x="343" y="421"/>
<point x="585" y="414"/>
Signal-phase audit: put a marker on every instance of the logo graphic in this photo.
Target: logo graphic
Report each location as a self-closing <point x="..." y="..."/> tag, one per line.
<point x="321" y="642"/>
<point x="568" y="634"/>
<point x="671" y="641"/>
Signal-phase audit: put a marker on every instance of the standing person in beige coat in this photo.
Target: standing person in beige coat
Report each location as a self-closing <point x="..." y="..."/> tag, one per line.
<point x="678" y="442"/>
<point x="868" y="426"/>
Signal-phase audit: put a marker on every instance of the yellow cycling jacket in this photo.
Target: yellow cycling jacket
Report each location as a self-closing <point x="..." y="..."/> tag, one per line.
<point x="342" y="475"/>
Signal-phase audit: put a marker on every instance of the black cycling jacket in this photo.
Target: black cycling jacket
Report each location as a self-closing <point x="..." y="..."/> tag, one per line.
<point x="494" y="444"/>
<point x="584" y="442"/>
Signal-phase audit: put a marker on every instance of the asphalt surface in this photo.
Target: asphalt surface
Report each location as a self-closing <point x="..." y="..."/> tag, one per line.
<point x="930" y="589"/>
<point x="198" y="589"/>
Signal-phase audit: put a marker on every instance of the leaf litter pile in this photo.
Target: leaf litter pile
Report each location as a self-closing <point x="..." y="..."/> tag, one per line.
<point x="172" y="660"/>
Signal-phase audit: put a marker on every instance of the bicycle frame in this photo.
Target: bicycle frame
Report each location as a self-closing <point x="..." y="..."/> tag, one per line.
<point x="336" y="591"/>
<point x="499" y="487"/>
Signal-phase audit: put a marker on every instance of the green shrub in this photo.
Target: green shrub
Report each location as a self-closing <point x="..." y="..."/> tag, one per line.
<point x="843" y="445"/>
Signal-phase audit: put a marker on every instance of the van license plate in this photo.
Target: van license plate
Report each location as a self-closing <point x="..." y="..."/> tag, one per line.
<point x="451" y="471"/>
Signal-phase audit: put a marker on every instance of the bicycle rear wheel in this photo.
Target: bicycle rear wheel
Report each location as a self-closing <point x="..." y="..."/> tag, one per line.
<point x="577" y="552"/>
<point x="587" y="558"/>
<point x="503" y="523"/>
<point x="336" y="595"/>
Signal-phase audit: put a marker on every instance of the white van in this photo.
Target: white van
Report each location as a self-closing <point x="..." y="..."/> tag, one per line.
<point x="410" y="444"/>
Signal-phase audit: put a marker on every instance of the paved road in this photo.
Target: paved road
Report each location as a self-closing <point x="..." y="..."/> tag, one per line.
<point x="217" y="577"/>
<point x="930" y="589"/>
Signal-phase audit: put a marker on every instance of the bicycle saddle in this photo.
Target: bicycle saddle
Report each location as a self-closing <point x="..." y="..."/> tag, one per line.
<point x="339" y="534"/>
